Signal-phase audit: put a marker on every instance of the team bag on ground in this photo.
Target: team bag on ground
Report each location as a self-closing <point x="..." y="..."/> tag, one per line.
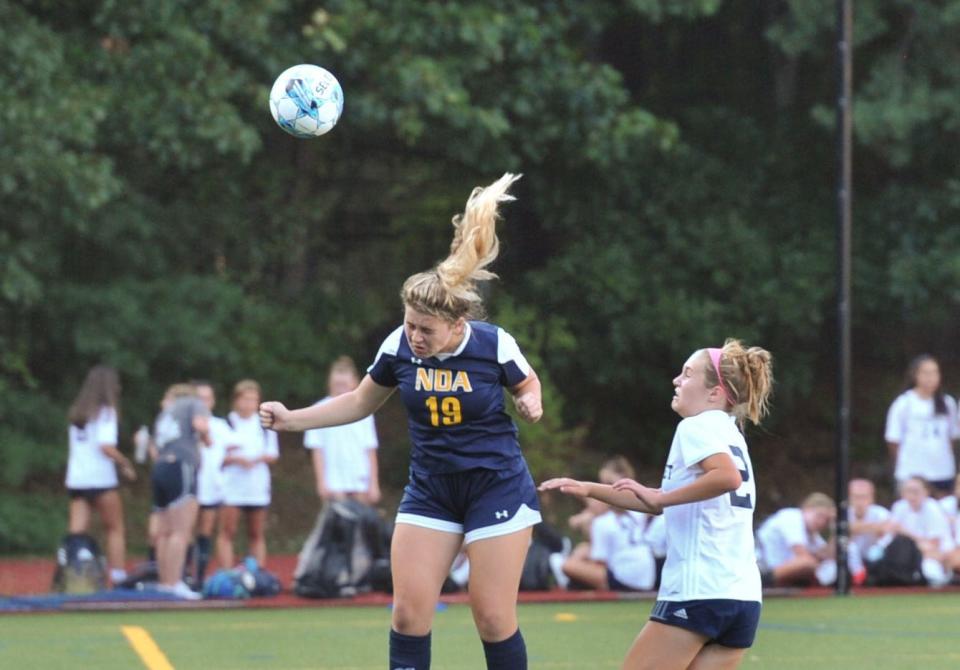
<point x="346" y="553"/>
<point x="81" y="567"/>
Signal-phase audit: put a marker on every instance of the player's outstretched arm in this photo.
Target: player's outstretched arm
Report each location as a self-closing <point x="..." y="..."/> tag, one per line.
<point x="720" y="476"/>
<point x="346" y="408"/>
<point x="623" y="499"/>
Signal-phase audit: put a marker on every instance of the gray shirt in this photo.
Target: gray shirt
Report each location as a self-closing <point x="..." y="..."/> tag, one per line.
<point x="175" y="436"/>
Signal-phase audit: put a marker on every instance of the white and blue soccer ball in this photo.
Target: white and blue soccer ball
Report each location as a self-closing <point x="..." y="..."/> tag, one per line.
<point x="306" y="101"/>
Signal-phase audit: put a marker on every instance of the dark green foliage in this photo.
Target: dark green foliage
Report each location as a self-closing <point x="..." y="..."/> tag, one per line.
<point x="678" y="190"/>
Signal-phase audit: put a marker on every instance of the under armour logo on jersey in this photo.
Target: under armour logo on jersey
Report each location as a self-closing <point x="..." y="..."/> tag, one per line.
<point x="681" y="613"/>
<point x="415" y="361"/>
<point x="502" y="515"/>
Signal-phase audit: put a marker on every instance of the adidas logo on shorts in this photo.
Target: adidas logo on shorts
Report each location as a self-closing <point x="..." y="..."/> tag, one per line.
<point x="680" y="613"/>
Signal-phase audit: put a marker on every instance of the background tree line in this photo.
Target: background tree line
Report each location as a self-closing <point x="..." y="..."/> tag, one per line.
<point x="678" y="159"/>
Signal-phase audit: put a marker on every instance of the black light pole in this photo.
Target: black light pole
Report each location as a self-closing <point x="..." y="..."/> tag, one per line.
<point x="844" y="224"/>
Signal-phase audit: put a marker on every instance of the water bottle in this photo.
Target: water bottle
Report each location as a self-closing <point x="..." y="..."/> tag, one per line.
<point x="141" y="443"/>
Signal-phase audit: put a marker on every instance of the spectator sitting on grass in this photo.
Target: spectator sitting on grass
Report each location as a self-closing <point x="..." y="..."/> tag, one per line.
<point x="920" y="517"/>
<point x="868" y="523"/>
<point x="791" y="547"/>
<point x="619" y="555"/>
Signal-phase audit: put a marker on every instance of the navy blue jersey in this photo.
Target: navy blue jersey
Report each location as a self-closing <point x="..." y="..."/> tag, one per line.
<point x="455" y="404"/>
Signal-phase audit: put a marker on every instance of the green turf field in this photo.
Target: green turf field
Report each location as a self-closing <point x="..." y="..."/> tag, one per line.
<point x="877" y="633"/>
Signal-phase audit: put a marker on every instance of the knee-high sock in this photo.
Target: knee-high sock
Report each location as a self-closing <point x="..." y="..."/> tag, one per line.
<point x="204" y="544"/>
<point x="509" y="654"/>
<point x="409" y="652"/>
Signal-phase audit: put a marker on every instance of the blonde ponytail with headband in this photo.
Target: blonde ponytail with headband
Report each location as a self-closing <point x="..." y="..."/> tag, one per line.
<point x="744" y="375"/>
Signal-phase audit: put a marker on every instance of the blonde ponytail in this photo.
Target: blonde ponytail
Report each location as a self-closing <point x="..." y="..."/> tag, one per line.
<point x="450" y="290"/>
<point x="747" y="378"/>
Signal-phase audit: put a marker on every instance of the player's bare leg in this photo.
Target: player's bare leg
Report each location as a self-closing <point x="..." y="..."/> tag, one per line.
<point x="110" y="508"/>
<point x="663" y="647"/>
<point x="420" y="559"/>
<point x="256" y="534"/>
<point x="229" y="517"/>
<point x="581" y="568"/>
<point x="208" y="520"/>
<point x="717" y="657"/>
<point x="79" y="516"/>
<point x="176" y="530"/>
<point x="496" y="564"/>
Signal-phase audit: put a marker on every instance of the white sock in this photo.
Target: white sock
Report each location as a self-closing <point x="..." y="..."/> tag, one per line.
<point x="118" y="575"/>
<point x="556" y="567"/>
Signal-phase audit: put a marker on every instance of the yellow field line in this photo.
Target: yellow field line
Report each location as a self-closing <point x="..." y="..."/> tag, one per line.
<point x="146" y="648"/>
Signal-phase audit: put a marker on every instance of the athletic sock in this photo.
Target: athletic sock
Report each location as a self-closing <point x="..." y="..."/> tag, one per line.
<point x="409" y="652"/>
<point x="202" y="556"/>
<point x="509" y="654"/>
<point x="117" y="575"/>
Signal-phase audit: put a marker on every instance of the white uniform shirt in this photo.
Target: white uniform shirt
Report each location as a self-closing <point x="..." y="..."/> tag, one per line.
<point x="874" y="514"/>
<point x="618" y="540"/>
<point x="928" y="523"/>
<point x="780" y="533"/>
<point x="210" y="477"/>
<point x="949" y="506"/>
<point x="243" y="486"/>
<point x="710" y="550"/>
<point x="88" y="467"/>
<point x="346" y="463"/>
<point x="924" y="437"/>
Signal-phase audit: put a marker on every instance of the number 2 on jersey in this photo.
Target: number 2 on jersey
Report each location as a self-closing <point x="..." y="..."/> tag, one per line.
<point x="447" y="411"/>
<point x="735" y="499"/>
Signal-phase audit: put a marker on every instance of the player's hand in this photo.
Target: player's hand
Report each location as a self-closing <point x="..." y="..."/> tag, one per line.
<point x="648" y="496"/>
<point x="274" y="415"/>
<point x="529" y="406"/>
<point x="566" y="485"/>
<point x="128" y="472"/>
<point x="373" y="495"/>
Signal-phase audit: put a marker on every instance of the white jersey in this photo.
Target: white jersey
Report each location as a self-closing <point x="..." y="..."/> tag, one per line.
<point x="619" y="541"/>
<point x="210" y="477"/>
<point x="949" y="506"/>
<point x="346" y="463"/>
<point x="249" y="486"/>
<point x="929" y="522"/>
<point x="925" y="438"/>
<point x="88" y="467"/>
<point x="874" y="514"/>
<point x="780" y="533"/>
<point x="710" y="550"/>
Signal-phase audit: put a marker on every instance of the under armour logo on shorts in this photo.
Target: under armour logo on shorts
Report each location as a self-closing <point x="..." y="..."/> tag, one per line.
<point x="502" y="515"/>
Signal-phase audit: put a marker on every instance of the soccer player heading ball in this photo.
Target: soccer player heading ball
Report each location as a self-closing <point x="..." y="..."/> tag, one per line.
<point x="468" y="482"/>
<point x="708" y="607"/>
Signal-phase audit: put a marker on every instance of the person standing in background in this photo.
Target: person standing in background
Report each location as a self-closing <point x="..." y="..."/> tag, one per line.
<point x="181" y="427"/>
<point x="210" y="477"/>
<point x="922" y="427"/>
<point x="246" y="476"/>
<point x="93" y="462"/>
<point x="345" y="457"/>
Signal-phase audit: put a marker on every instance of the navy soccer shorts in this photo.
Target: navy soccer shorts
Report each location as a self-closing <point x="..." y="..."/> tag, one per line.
<point x="173" y="483"/>
<point x="475" y="503"/>
<point x="731" y="623"/>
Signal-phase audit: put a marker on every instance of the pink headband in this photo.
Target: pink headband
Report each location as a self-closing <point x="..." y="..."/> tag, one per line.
<point x="715" y="359"/>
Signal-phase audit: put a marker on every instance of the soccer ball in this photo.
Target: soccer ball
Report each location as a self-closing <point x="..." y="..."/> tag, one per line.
<point x="306" y="101"/>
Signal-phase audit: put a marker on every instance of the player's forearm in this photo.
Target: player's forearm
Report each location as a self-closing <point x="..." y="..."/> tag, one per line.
<point x="113" y="454"/>
<point x="622" y="499"/>
<point x="345" y="408"/>
<point x="711" y="484"/>
<point x="374" y="469"/>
